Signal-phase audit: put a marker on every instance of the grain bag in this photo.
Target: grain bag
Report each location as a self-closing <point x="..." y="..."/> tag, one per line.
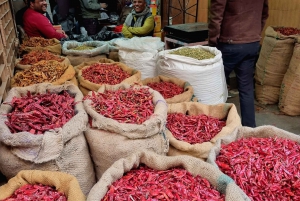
<point x="52" y="45"/>
<point x="63" y="149"/>
<point x="110" y="140"/>
<point x="87" y="48"/>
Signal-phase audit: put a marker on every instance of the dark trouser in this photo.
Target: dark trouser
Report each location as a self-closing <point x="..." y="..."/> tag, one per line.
<point x="241" y="58"/>
<point x="91" y="25"/>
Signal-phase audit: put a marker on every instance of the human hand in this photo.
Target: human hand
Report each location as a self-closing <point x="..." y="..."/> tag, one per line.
<point x="62" y="32"/>
<point x="103" y="5"/>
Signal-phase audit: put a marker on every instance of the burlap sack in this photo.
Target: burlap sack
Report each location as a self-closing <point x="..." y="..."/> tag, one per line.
<point x="186" y="96"/>
<point x="110" y="140"/>
<point x="77" y="60"/>
<point x="289" y="97"/>
<point x="226" y="111"/>
<point x="266" y="94"/>
<point x="68" y="75"/>
<point x="273" y="61"/>
<point x="114" y="55"/>
<point x="64" y="149"/>
<point x="19" y="66"/>
<point x="134" y="78"/>
<point x="247" y="132"/>
<point x="223" y="183"/>
<point x="64" y="183"/>
<point x="56" y="49"/>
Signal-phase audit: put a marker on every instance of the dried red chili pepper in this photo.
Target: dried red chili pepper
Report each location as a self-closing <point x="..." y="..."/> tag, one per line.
<point x="144" y="184"/>
<point x="287" y="31"/>
<point x="39" y="113"/>
<point x="104" y="73"/>
<point x="39" y="55"/>
<point x="166" y="89"/>
<point x="124" y="105"/>
<point x="194" y="128"/>
<point x="36" y="192"/>
<point x="264" y="168"/>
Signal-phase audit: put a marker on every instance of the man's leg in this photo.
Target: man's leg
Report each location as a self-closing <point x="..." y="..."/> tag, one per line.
<point x="244" y="73"/>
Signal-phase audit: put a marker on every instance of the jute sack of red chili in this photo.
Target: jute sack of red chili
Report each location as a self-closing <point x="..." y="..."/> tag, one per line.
<point x="264" y="161"/>
<point x="124" y="119"/>
<point x="41" y="185"/>
<point x="289" y="99"/>
<point x="272" y="64"/>
<point x="52" y="45"/>
<point x="93" y="76"/>
<point x="37" y="55"/>
<point x="59" y="149"/>
<point x="161" y="183"/>
<point x="174" y="90"/>
<point x="193" y="128"/>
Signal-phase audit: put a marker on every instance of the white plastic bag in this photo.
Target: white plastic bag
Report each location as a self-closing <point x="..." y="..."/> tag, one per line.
<point x="206" y="76"/>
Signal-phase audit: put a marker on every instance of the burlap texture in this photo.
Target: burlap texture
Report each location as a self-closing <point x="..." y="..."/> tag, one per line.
<point x="226" y="111"/>
<point x="62" y="182"/>
<point x="68" y="75"/>
<point x="63" y="149"/>
<point x="134" y="78"/>
<point x="266" y="94"/>
<point x="289" y="97"/>
<point x="274" y="58"/>
<point x="195" y="166"/>
<point x="65" y="62"/>
<point x="77" y="60"/>
<point x="110" y="140"/>
<point x="56" y="49"/>
<point x="114" y="55"/>
<point x="186" y="96"/>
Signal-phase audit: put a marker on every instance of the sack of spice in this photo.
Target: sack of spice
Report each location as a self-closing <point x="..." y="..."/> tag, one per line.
<point x="128" y="119"/>
<point x="165" y="184"/>
<point x="52" y="45"/>
<point x="193" y="128"/>
<point x="92" y="75"/>
<point x="37" y="55"/>
<point x="50" y="71"/>
<point x="65" y="184"/>
<point x="56" y="116"/>
<point x="272" y="64"/>
<point x="174" y="90"/>
<point x="289" y="99"/>
<point x="263" y="161"/>
<point x="87" y="48"/>
<point x="201" y="66"/>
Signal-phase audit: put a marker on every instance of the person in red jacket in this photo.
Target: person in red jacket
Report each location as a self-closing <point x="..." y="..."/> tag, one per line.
<point x="36" y="24"/>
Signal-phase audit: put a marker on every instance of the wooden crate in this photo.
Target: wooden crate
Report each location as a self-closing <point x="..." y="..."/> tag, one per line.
<point x="4" y="75"/>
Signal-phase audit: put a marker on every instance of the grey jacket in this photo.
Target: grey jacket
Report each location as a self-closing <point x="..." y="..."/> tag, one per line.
<point x="237" y="21"/>
<point x="90" y="8"/>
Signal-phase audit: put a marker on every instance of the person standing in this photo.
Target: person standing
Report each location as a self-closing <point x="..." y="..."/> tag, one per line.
<point x="139" y="22"/>
<point x="90" y="11"/>
<point x="235" y="28"/>
<point x="36" y="24"/>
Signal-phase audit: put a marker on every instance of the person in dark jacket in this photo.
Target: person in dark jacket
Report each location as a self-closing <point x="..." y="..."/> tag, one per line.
<point x="235" y="29"/>
<point x="139" y="22"/>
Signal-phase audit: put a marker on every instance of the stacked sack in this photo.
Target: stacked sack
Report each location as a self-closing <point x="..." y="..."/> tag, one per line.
<point x="39" y="144"/>
<point x="274" y="58"/>
<point x="120" y="132"/>
<point x="201" y="66"/>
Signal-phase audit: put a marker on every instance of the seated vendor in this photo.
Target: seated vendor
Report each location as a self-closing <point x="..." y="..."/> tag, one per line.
<point x="36" y="24"/>
<point x="139" y="22"/>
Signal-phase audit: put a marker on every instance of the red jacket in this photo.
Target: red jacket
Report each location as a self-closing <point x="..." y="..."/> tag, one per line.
<point x="36" y="24"/>
<point x="237" y="21"/>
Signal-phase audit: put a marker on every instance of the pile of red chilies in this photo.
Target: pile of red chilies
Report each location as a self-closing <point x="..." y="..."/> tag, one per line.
<point x="287" y="31"/>
<point x="124" y="105"/>
<point x="195" y="128"/>
<point x="166" y="89"/>
<point x="39" y="113"/>
<point x="145" y="184"/>
<point x="104" y="73"/>
<point x="265" y="168"/>
<point x="36" y="192"/>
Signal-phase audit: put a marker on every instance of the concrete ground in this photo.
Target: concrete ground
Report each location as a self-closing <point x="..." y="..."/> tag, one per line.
<point x="269" y="115"/>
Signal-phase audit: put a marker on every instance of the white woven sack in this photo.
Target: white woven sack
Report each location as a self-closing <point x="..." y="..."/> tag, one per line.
<point x="99" y="48"/>
<point x="206" y="76"/>
<point x="140" y="54"/>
